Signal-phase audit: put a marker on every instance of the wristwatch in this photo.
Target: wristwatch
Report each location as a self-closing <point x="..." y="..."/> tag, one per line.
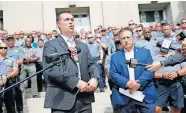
<point x="177" y="74"/>
<point x="161" y="62"/>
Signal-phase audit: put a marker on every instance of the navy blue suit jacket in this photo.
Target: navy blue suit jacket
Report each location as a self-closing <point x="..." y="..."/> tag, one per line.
<point x="120" y="75"/>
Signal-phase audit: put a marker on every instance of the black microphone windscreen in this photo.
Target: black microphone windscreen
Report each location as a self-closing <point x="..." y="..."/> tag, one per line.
<point x="128" y="62"/>
<point x="172" y="49"/>
<point x="78" y="49"/>
<point x="52" y="57"/>
<point x="158" y="44"/>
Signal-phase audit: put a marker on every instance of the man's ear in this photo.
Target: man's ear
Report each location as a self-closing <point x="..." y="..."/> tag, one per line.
<point x="58" y="24"/>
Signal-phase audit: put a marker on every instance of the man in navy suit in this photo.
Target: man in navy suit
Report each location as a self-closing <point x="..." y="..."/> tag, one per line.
<point x="132" y="79"/>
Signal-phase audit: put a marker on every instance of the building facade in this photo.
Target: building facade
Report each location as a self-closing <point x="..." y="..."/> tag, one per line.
<point x="41" y="15"/>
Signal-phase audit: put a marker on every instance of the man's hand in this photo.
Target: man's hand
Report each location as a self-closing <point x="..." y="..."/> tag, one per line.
<point x="20" y="61"/>
<point x="4" y="79"/>
<point x="154" y="66"/>
<point x="166" y="75"/>
<point x="28" y="60"/>
<point x="92" y="85"/>
<point x="133" y="85"/>
<point x="82" y="85"/>
<point x="100" y="62"/>
<point x="173" y="75"/>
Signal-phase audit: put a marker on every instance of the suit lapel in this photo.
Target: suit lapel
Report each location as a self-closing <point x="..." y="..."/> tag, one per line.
<point x="136" y="56"/>
<point x="62" y="43"/>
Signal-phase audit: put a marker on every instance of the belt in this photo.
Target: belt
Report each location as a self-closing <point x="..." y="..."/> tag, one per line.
<point x="164" y="82"/>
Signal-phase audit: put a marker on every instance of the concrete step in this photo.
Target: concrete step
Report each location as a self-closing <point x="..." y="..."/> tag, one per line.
<point x="102" y="103"/>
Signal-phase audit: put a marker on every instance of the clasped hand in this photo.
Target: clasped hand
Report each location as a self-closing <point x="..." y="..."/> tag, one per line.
<point x="170" y="75"/>
<point x="3" y="79"/>
<point x="133" y="85"/>
<point x="89" y="86"/>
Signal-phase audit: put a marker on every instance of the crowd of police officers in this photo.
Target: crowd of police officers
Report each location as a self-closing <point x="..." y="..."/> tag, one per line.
<point x="21" y="56"/>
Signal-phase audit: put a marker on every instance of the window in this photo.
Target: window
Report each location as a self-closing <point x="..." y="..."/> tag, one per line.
<point x="151" y="16"/>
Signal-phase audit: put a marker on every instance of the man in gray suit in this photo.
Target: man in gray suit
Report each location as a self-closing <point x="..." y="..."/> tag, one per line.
<point x="71" y="84"/>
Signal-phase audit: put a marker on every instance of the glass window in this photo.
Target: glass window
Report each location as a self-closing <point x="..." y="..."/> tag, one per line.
<point x="151" y="16"/>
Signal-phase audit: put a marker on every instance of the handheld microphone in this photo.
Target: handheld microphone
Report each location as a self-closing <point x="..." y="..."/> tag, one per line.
<point x="159" y="44"/>
<point x="56" y="56"/>
<point x="133" y="63"/>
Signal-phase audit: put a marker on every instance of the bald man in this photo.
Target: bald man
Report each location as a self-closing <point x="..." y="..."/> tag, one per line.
<point x="9" y="70"/>
<point x="97" y="53"/>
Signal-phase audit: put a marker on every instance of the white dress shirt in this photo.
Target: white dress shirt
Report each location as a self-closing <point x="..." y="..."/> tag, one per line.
<point x="71" y="44"/>
<point x="128" y="56"/>
<point x="70" y="41"/>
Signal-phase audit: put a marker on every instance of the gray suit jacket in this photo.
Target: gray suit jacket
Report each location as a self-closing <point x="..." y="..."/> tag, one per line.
<point x="61" y="91"/>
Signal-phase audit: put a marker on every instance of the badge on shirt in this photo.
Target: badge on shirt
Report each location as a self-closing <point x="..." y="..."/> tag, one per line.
<point x="16" y="51"/>
<point x="9" y="62"/>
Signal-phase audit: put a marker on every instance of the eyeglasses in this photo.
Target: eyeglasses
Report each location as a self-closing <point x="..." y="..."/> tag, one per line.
<point x="131" y="24"/>
<point x="98" y="37"/>
<point x="89" y="37"/>
<point x="183" y="22"/>
<point x="138" y="30"/>
<point x="3" y="47"/>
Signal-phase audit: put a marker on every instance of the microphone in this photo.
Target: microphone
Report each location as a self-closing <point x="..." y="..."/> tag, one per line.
<point x="56" y="56"/>
<point x="159" y="44"/>
<point x="133" y="63"/>
<point x="74" y="53"/>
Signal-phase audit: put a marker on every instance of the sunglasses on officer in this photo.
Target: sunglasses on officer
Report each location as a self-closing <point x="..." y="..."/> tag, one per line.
<point x="131" y="24"/>
<point x="3" y="47"/>
<point x="183" y="22"/>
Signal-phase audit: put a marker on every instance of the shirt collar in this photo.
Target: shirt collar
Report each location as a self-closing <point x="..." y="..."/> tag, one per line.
<point x="28" y="47"/>
<point x="132" y="50"/>
<point x="171" y="35"/>
<point x="141" y="38"/>
<point x="5" y="58"/>
<point x="11" y="48"/>
<point x="67" y="38"/>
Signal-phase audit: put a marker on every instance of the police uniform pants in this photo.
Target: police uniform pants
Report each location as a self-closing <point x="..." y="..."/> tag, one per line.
<point x="8" y="99"/>
<point x="18" y="96"/>
<point x="39" y="67"/>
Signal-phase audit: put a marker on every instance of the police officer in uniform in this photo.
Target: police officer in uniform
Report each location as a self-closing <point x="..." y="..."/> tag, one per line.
<point x="17" y="54"/>
<point x="9" y="70"/>
<point x="97" y="54"/>
<point x="169" y="91"/>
